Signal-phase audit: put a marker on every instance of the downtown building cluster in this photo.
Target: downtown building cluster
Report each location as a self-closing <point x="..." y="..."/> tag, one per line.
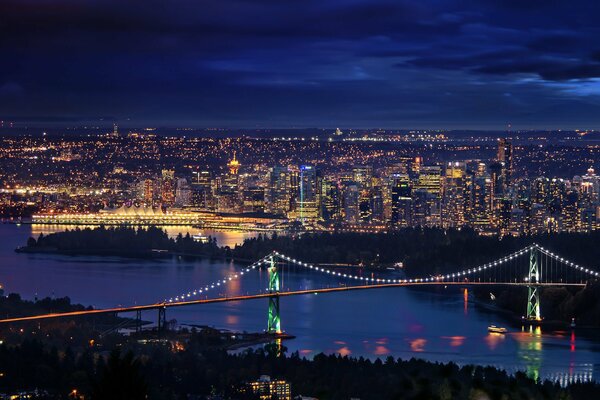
<point x="487" y="196"/>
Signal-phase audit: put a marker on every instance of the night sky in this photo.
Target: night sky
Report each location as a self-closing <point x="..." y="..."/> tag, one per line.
<point x="287" y="63"/>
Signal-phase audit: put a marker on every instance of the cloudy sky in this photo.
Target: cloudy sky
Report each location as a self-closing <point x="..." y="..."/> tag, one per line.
<point x="305" y="63"/>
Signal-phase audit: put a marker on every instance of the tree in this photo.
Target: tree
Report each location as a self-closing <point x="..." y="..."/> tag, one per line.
<point x="121" y="379"/>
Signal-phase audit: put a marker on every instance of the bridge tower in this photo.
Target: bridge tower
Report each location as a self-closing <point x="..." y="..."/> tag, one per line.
<point x="533" y="296"/>
<point x="274" y="322"/>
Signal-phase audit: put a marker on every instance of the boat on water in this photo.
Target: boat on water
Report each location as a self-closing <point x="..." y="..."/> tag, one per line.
<point x="200" y="238"/>
<point x="496" y="329"/>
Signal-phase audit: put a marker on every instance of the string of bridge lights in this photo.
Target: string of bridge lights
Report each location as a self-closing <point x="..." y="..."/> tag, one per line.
<point x="371" y="280"/>
<point x="216" y="284"/>
<point x="439" y="278"/>
<point x="566" y="262"/>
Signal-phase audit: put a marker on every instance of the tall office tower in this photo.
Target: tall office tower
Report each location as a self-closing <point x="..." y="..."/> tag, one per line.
<point x="505" y="156"/>
<point x="148" y="192"/>
<point x="590" y="187"/>
<point x="167" y="187"/>
<point x="183" y="193"/>
<point x="351" y="203"/>
<point x="309" y="204"/>
<point x="364" y="206"/>
<point x="556" y="196"/>
<point x="253" y="200"/>
<point x="454" y="199"/>
<point x="376" y="205"/>
<point x="503" y="216"/>
<point x="430" y="181"/>
<point x="202" y="194"/>
<point x="478" y="213"/>
<point x="330" y="200"/>
<point x="401" y="200"/>
<point x="229" y="195"/>
<point x="363" y="176"/>
<point x="415" y="167"/>
<point x="524" y="204"/>
<point x="421" y="211"/>
<point x="279" y="190"/>
<point x="496" y="195"/>
<point x="570" y="217"/>
<point x="540" y="191"/>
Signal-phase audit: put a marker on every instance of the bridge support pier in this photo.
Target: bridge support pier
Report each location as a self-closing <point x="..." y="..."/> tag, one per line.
<point x="533" y="295"/>
<point x="138" y="321"/>
<point x="273" y="318"/>
<point x="162" y="319"/>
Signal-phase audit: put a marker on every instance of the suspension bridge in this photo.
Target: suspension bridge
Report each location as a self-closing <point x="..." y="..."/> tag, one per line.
<point x="533" y="267"/>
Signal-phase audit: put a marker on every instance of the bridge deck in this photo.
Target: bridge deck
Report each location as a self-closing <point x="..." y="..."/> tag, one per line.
<point x="116" y="310"/>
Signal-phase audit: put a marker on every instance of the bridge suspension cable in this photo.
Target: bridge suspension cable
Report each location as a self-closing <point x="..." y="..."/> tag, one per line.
<point x="484" y="272"/>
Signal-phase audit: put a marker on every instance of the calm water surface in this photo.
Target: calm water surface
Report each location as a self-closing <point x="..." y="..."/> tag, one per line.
<point x="395" y="322"/>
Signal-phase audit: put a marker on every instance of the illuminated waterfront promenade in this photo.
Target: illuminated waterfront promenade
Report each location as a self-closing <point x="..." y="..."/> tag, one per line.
<point x="146" y="216"/>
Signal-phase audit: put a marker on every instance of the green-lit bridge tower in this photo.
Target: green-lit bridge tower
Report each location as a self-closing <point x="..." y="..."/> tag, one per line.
<point x="274" y="322"/>
<point x="533" y="296"/>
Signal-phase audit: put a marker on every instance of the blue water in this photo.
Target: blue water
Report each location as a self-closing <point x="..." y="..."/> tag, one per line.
<point x="444" y="326"/>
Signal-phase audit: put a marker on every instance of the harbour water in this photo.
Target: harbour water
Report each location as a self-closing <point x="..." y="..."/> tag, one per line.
<point x="442" y="326"/>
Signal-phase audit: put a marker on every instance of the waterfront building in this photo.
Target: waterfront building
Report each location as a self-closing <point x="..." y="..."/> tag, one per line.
<point x="269" y="389"/>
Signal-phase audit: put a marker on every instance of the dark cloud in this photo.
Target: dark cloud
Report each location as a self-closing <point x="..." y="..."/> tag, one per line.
<point x="309" y="62"/>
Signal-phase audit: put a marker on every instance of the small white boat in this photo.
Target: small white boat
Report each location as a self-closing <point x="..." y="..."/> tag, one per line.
<point x="200" y="238"/>
<point x="496" y="329"/>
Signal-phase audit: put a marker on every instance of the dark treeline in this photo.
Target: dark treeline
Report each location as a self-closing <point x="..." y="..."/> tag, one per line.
<point x="424" y="251"/>
<point x="159" y="373"/>
<point x="124" y="241"/>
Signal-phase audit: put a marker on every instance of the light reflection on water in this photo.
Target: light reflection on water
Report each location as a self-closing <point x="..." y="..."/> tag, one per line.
<point x="442" y="326"/>
<point x="224" y="238"/>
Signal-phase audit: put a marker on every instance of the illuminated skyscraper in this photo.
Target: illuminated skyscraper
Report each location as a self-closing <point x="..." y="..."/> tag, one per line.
<point x="453" y="200"/>
<point x="167" y="187"/>
<point x="351" y="203"/>
<point x="310" y="196"/>
<point x="279" y="190"/>
<point x="148" y="191"/>
<point x="330" y="200"/>
<point x="401" y="200"/>
<point x="363" y="176"/>
<point x="183" y="193"/>
<point x="505" y="156"/>
<point x="429" y="188"/>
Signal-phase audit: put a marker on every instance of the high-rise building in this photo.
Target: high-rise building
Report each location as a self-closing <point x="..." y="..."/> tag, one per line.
<point x="454" y="197"/>
<point x="429" y="181"/>
<point x="167" y="187"/>
<point x="505" y="156"/>
<point x="330" y="200"/>
<point x="363" y="176"/>
<point x="183" y="193"/>
<point x="202" y="191"/>
<point x="279" y="190"/>
<point x="267" y="389"/>
<point x="253" y="199"/>
<point x="401" y="200"/>
<point x="309" y="205"/>
<point x="351" y="203"/>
